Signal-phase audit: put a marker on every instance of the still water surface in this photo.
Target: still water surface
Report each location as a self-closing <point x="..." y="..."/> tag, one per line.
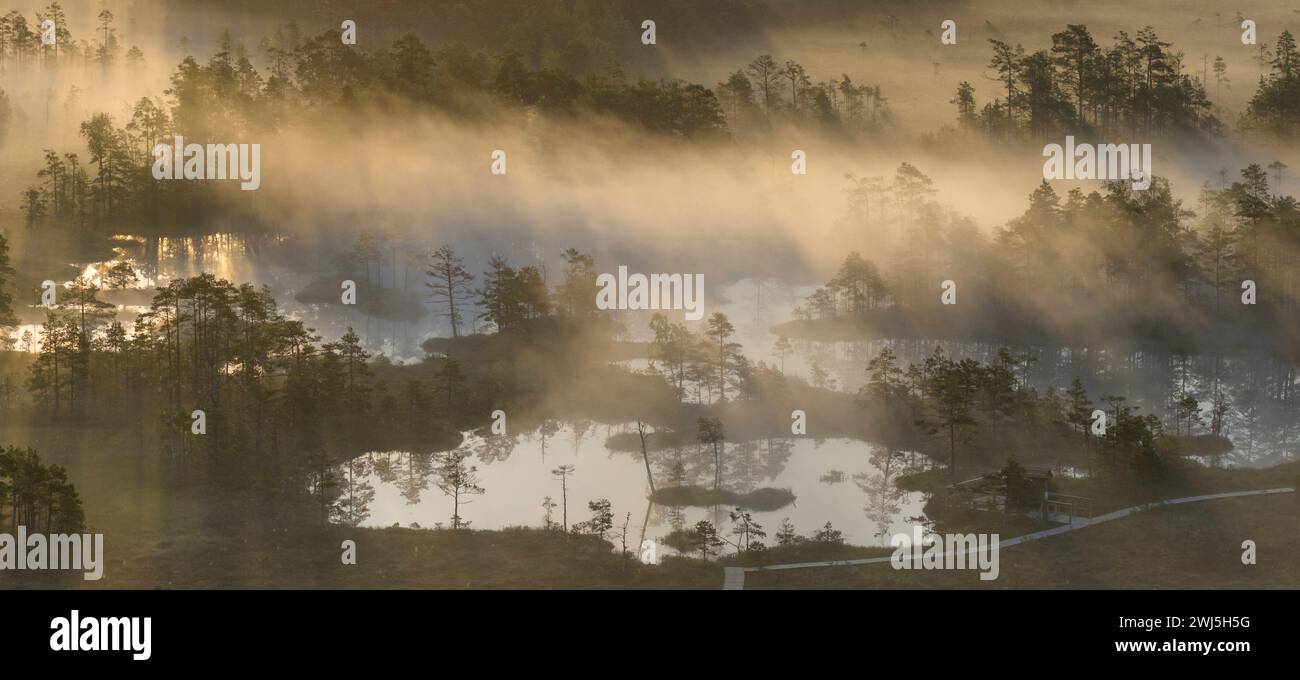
<point x="842" y="481"/>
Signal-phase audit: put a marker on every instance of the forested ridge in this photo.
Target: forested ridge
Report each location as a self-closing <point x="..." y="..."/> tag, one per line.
<point x="266" y="395"/>
<point x="1137" y="86"/>
<point x="1133" y="267"/>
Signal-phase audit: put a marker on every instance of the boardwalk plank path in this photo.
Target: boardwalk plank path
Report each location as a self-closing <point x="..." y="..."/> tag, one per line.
<point x="734" y="578"/>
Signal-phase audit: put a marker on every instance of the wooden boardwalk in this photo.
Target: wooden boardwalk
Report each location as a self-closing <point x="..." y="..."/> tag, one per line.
<point x="734" y="578"/>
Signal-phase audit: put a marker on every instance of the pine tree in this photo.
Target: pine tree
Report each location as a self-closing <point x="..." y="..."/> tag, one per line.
<point x="706" y="539"/>
<point x="448" y="283"/>
<point x="456" y="479"/>
<point x="602" y="519"/>
<point x="719" y="329"/>
<point x="711" y="433"/>
<point x="967" y="117"/>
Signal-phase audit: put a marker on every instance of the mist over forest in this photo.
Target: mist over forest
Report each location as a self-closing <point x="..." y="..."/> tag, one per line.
<point x="861" y="188"/>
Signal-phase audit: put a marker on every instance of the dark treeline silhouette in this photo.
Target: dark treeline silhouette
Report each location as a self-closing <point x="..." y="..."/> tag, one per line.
<point x="227" y="99"/>
<point x="21" y="46"/>
<point x="1137" y="86"/>
<point x="286" y="413"/>
<point x="7" y="273"/>
<point x="278" y="405"/>
<point x="767" y="91"/>
<point x="1275" y="108"/>
<point x="708" y="367"/>
<point x="1120" y="266"/>
<point x="581" y="38"/>
<point x="975" y="415"/>
<point x="38" y="496"/>
<point x="1189" y="313"/>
